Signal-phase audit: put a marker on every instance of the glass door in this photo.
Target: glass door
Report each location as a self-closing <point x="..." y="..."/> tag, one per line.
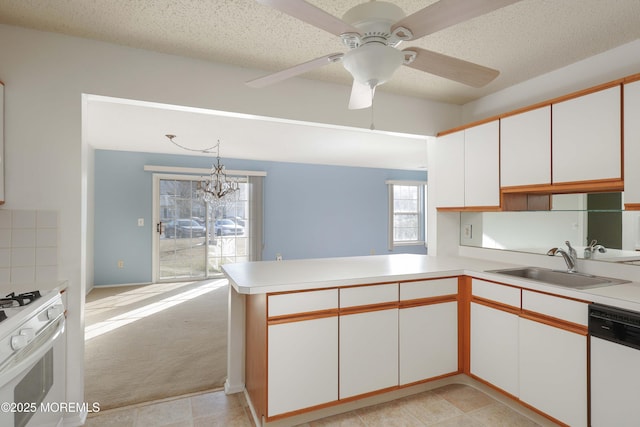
<point x="229" y="230"/>
<point x="182" y="231"/>
<point x="193" y="238"/>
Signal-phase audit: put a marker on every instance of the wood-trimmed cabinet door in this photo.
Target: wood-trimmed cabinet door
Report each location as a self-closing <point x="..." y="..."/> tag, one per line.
<point x="632" y="144"/>
<point x="587" y="137"/>
<point x="494" y="334"/>
<point x="303" y="364"/>
<point x="449" y="170"/>
<point x="482" y="165"/>
<point x="428" y="325"/>
<point x="553" y="371"/>
<point x="525" y="148"/>
<point x="494" y="347"/>
<point x="553" y="356"/>
<point x="368" y="339"/>
<point x="302" y="350"/>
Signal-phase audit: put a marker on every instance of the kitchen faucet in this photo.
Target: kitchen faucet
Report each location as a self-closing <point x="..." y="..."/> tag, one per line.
<point x="592" y="248"/>
<point x="569" y="257"/>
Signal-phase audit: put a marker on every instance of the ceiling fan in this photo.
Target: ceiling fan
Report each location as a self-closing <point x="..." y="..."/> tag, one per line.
<point x="373" y="31"/>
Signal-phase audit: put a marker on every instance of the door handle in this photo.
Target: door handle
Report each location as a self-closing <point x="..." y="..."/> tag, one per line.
<point x="159" y="227"/>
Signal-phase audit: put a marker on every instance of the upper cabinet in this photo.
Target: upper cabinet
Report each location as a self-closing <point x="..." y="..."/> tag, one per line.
<point x="482" y="165"/>
<point x="525" y="148"/>
<point x="570" y="144"/>
<point x="632" y="145"/>
<point x="467" y="168"/>
<point x="587" y="137"/>
<point x="449" y="170"/>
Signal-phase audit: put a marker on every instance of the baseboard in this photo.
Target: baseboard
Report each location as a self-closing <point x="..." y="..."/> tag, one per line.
<point x="75" y="420"/>
<point x="119" y="285"/>
<point x="232" y="389"/>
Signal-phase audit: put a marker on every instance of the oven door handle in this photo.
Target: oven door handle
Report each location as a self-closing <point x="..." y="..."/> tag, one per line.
<point x="32" y="352"/>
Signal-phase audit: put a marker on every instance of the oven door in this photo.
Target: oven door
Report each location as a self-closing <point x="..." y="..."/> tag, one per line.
<point x="32" y="385"/>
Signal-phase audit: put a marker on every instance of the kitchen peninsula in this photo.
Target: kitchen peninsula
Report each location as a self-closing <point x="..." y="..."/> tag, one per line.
<point x="307" y="335"/>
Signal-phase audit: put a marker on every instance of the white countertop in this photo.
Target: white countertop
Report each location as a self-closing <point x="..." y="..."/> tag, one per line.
<point x="293" y="275"/>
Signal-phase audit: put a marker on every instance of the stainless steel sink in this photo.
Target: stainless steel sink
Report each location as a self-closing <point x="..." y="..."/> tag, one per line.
<point x="561" y="278"/>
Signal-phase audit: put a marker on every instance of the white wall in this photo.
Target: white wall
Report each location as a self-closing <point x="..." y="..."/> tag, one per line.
<point x="48" y="163"/>
<point x="605" y="67"/>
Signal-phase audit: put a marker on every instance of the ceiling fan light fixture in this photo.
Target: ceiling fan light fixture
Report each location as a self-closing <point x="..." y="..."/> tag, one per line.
<point x="372" y="64"/>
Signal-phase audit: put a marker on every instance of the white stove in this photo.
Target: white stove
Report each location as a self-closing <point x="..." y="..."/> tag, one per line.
<point x="32" y="358"/>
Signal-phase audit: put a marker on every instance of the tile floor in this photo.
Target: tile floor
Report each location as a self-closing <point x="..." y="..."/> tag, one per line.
<point x="453" y="405"/>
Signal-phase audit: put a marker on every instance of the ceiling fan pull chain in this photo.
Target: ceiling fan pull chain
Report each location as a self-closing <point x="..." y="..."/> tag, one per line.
<point x="372" y="127"/>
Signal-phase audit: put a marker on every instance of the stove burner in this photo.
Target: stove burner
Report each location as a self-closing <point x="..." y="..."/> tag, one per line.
<point x="22" y="299"/>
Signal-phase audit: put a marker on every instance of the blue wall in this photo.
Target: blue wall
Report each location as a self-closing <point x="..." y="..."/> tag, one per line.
<point x="310" y="211"/>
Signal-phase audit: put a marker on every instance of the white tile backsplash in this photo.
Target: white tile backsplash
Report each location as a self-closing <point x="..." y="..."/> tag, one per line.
<point x="5" y="218"/>
<point x="46" y="256"/>
<point x="47" y="219"/>
<point x="5" y="237"/>
<point x="23" y="238"/>
<point x="23" y="257"/>
<point x="5" y="258"/>
<point x="44" y="273"/>
<point x="28" y="246"/>
<point x="47" y="237"/>
<point x="23" y="274"/>
<point x="23" y="219"/>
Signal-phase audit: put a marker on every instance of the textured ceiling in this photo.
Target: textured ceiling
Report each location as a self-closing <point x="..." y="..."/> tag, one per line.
<point x="522" y="40"/>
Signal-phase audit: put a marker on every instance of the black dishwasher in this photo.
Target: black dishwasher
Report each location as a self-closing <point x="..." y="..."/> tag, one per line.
<point x="615" y="361"/>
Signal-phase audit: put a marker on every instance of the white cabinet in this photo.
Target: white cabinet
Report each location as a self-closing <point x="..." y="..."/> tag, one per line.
<point x="428" y="340"/>
<point x="449" y="170"/>
<point x="368" y="352"/>
<point x="303" y="364"/>
<point x="525" y="148"/>
<point x="302" y="352"/>
<point x="553" y="371"/>
<point x="494" y="334"/>
<point x="587" y="137"/>
<point x="553" y="356"/>
<point x="494" y="347"/>
<point x="632" y="143"/>
<point x="368" y="339"/>
<point x="481" y="165"/>
<point x="467" y="167"/>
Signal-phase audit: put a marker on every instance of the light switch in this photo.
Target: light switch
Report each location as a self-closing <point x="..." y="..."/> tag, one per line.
<point x="467" y="231"/>
<point x="140" y="222"/>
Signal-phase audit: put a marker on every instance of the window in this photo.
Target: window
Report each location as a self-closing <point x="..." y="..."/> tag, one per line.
<point x="407" y="207"/>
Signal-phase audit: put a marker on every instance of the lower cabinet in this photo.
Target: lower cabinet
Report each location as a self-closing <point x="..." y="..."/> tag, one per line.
<point x="553" y="371"/>
<point x="303" y="364"/>
<point x="428" y="341"/>
<point x="494" y="347"/>
<point x="368" y="352"/>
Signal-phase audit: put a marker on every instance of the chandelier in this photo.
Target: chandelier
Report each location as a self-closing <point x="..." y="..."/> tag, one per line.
<point x="217" y="186"/>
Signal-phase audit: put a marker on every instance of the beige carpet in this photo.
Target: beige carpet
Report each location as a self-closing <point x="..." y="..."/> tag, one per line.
<point x="151" y="342"/>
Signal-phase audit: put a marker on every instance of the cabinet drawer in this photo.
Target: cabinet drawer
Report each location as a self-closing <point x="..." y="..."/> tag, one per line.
<point x="428" y="288"/>
<point x="368" y="295"/>
<point x="302" y="302"/>
<point x="495" y="292"/>
<point x="560" y="308"/>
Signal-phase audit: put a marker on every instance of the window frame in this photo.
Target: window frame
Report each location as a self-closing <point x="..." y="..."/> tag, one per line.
<point x="422" y="213"/>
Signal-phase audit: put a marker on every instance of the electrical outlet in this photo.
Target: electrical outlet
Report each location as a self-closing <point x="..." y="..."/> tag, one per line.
<point x="120" y="264"/>
<point x="140" y="222"/>
<point x="278" y="257"/>
<point x="467" y="231"/>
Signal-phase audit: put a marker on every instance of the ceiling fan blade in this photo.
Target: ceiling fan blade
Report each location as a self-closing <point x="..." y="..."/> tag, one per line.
<point x="361" y="96"/>
<point x="311" y="15"/>
<point x="451" y="68"/>
<point x="445" y="13"/>
<point x="295" y="70"/>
